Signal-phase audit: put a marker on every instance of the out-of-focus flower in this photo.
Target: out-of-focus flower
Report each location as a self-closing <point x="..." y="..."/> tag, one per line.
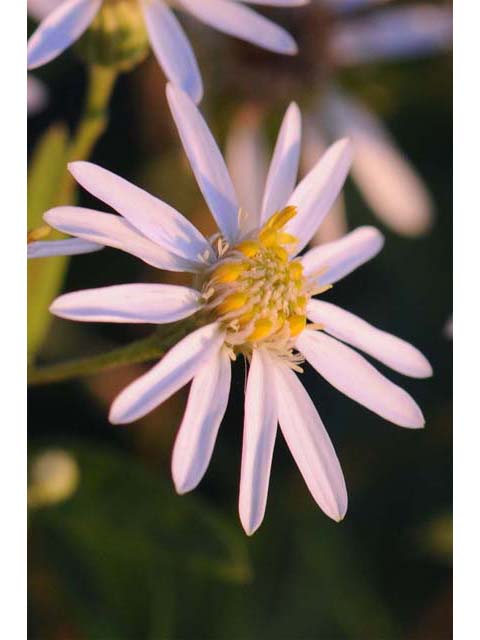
<point x="448" y="328"/>
<point x="67" y="247"/>
<point x="390" y="185"/>
<point x="37" y="95"/>
<point x="252" y="295"/>
<point x="71" y="18"/>
<point x="54" y="477"/>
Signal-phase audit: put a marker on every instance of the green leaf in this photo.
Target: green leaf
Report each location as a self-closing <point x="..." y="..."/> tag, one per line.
<point x="114" y="552"/>
<point x="45" y="275"/>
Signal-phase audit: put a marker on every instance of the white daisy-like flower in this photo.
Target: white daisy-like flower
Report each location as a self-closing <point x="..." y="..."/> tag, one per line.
<point x="389" y="183"/>
<point x="252" y="295"/>
<point x="64" y="21"/>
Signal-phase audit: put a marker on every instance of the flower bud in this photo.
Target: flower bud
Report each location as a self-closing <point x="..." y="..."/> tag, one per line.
<point x="117" y="36"/>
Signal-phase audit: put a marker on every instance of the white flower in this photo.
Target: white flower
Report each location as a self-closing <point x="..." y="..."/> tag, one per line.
<point x="391" y="186"/>
<point x="63" y="25"/>
<point x="252" y="295"/>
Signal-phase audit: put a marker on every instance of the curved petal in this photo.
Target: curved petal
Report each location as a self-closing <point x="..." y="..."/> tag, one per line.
<point x="147" y="303"/>
<point x="282" y="174"/>
<point x="206" y="407"/>
<point x="172" y="48"/>
<point x="114" y="231"/>
<point x="240" y="21"/>
<point x="389" y="183"/>
<point x="172" y="373"/>
<point x="259" y="432"/>
<point x="246" y="156"/>
<point x="396" y="32"/>
<point x="350" y="373"/>
<point x="317" y="192"/>
<point x="206" y="162"/>
<point x="276" y="3"/>
<point x="68" y="247"/>
<point x="60" y="29"/>
<point x="335" y="260"/>
<point x="309" y="444"/>
<point x="392" y="351"/>
<point x="155" y="219"/>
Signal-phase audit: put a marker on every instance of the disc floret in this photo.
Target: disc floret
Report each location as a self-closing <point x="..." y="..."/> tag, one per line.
<point x="257" y="292"/>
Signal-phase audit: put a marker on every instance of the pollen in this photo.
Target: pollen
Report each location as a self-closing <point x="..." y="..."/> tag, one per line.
<point x="258" y="292"/>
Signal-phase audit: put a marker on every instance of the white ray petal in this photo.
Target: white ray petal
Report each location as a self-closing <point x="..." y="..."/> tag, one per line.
<point x="206" y="161"/>
<point x="172" y="48"/>
<point x="396" y="32"/>
<point x="317" y="192"/>
<point x="282" y="174"/>
<point x="155" y="219"/>
<point x="172" y="373"/>
<point x="389" y="183"/>
<point x="61" y="28"/>
<point x="240" y="21"/>
<point x="309" y="444"/>
<point x="276" y="3"/>
<point x="246" y="156"/>
<point x="68" y="247"/>
<point x="114" y="231"/>
<point x="206" y="407"/>
<point x="350" y="373"/>
<point x="392" y="351"/>
<point x="335" y="260"/>
<point x="140" y="303"/>
<point x="259" y="432"/>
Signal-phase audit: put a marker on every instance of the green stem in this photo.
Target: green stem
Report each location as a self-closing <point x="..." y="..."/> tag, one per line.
<point x="150" y="348"/>
<point x="93" y="123"/>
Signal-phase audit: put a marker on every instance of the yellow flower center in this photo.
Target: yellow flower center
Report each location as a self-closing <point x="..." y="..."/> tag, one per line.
<point x="257" y="292"/>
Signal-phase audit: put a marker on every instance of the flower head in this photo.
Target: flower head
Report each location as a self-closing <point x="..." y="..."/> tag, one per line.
<point x="69" y="20"/>
<point x="252" y="294"/>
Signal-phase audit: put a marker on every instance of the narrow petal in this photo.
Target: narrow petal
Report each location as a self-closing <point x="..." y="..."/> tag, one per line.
<point x="69" y="247"/>
<point x="283" y="170"/>
<point x="350" y="373"/>
<point x="37" y="95"/>
<point x="172" y="373"/>
<point x="276" y="3"/>
<point x="246" y="156"/>
<point x="206" y="407"/>
<point x="60" y="29"/>
<point x="392" y="351"/>
<point x="397" y="32"/>
<point x="172" y="48"/>
<point x="259" y="432"/>
<point x="389" y="183"/>
<point x="114" y="231"/>
<point x="147" y="303"/>
<point x="309" y="444"/>
<point x="206" y="162"/>
<point x="237" y="20"/>
<point x="337" y="259"/>
<point x="155" y="219"/>
<point x="317" y="192"/>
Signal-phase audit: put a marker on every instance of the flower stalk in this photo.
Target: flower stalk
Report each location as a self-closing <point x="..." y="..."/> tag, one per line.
<point x="150" y="348"/>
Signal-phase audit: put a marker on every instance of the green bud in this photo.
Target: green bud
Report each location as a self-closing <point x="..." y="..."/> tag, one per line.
<point x="117" y="37"/>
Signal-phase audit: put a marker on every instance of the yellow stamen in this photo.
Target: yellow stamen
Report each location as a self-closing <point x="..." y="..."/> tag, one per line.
<point x="297" y="325"/>
<point x="249" y="248"/>
<point x="229" y="271"/>
<point x="296" y="270"/>
<point x="263" y="328"/>
<point x="233" y="303"/>
<point x="280" y="218"/>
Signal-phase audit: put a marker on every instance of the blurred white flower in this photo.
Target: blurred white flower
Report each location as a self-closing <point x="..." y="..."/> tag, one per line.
<point x="37" y="95"/>
<point x="64" y="22"/>
<point x="252" y="296"/>
<point x="54" y="477"/>
<point x="388" y="182"/>
<point x="448" y="328"/>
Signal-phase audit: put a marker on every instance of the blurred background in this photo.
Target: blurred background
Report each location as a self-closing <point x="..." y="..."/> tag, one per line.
<point x="114" y="553"/>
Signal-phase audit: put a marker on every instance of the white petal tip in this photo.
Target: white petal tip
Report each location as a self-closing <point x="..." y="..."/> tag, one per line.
<point x="183" y="485"/>
<point x="250" y="527"/>
<point x="116" y="417"/>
